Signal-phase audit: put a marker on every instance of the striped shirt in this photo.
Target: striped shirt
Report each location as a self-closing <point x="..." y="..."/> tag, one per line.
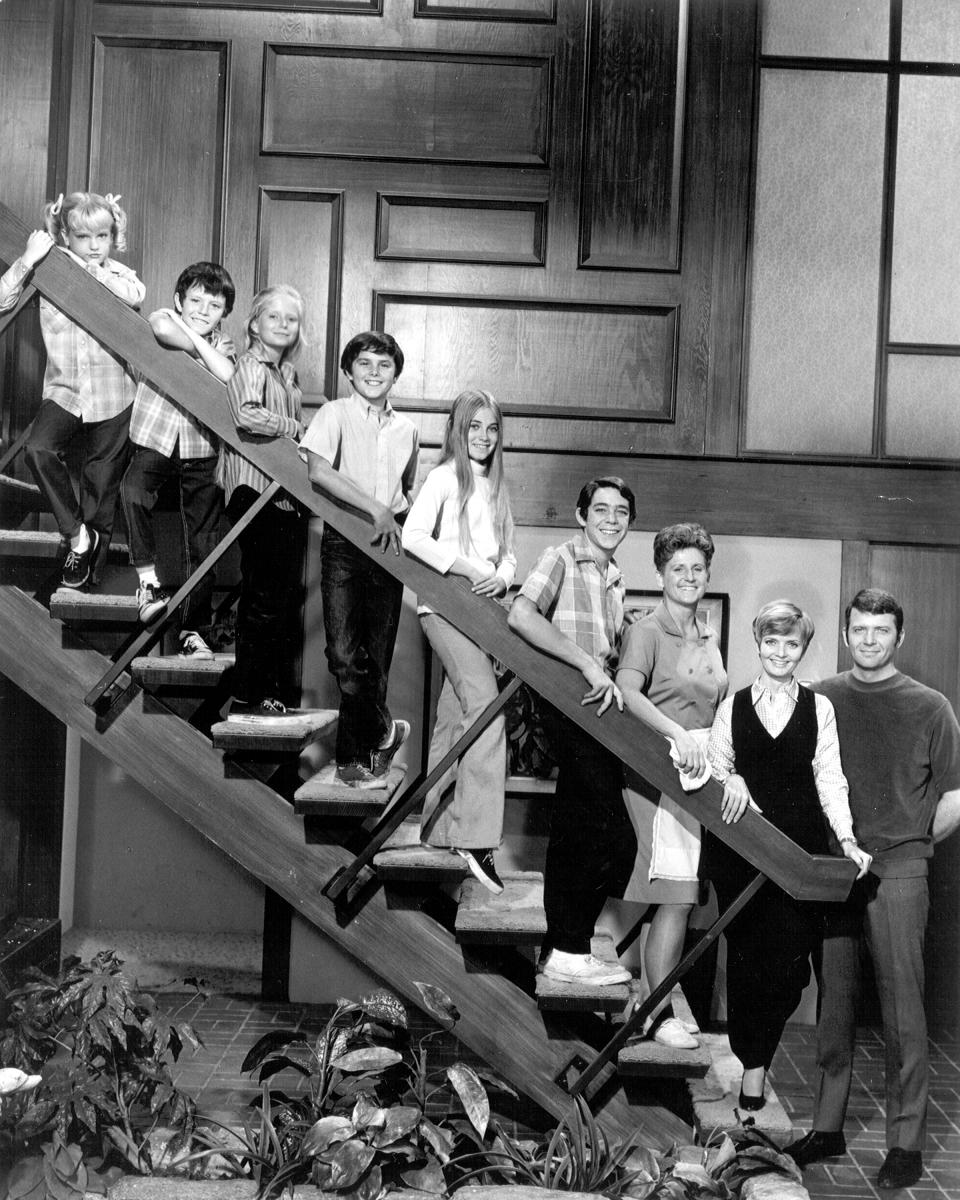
<point x="583" y="600"/>
<point x="81" y="375"/>
<point x="775" y="708"/>
<point x="376" y="448"/>
<point x="157" y="422"/>
<point x="264" y="401"/>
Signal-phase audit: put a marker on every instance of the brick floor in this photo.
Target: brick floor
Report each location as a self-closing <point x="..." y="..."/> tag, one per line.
<point x="230" y="1025"/>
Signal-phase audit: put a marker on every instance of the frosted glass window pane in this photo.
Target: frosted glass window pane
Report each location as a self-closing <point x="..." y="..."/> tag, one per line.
<point x="931" y="31"/>
<point x="815" y="263"/>
<point x="827" y="28"/>
<point x="923" y="406"/>
<point x="925" y="290"/>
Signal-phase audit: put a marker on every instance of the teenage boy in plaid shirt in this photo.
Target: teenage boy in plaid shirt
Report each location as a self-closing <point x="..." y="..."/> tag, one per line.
<point x="169" y="443"/>
<point x="571" y="607"/>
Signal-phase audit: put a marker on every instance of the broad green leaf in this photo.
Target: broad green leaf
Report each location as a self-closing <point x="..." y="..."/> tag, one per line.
<point x="367" y="1115"/>
<point x="429" y="1179"/>
<point x="324" y="1133"/>
<point x="472" y="1095"/>
<point x="268" y="1044"/>
<point x="384" y="1006"/>
<point x="371" y="1058"/>
<point x="401" y="1119"/>
<point x="439" y="1139"/>
<point x="438" y="1003"/>
<point x="348" y="1162"/>
<point x="370" y="1187"/>
<point x="26" y="1181"/>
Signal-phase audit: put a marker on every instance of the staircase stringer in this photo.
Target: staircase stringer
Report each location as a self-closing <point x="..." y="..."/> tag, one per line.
<point x="249" y="822"/>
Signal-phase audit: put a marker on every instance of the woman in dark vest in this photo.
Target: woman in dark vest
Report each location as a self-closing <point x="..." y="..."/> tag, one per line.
<point x="774" y="747"/>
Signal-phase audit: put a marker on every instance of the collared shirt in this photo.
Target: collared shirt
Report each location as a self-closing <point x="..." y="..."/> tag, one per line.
<point x="377" y="448"/>
<point x="775" y="708"/>
<point x="81" y="376"/>
<point x="157" y="422"/>
<point x="264" y="401"/>
<point x="583" y="599"/>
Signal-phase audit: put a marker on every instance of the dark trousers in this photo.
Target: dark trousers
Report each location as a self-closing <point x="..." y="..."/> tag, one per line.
<point x="271" y="569"/>
<point x="361" y="613"/>
<point x="200" y="507"/>
<point x="592" y="845"/>
<point x="768" y="964"/>
<point x="104" y="447"/>
<point x="893" y="915"/>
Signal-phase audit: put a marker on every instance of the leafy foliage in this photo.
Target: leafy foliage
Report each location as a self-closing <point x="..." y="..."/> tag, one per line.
<point x="104" y="1057"/>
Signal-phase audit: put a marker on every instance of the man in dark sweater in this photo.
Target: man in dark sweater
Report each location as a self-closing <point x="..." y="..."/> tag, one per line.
<point x="900" y="746"/>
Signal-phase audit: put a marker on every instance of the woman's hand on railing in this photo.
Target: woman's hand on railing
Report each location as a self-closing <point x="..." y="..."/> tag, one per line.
<point x="39" y="245"/>
<point x="691" y="753"/>
<point x="603" y="690"/>
<point x="736" y="799"/>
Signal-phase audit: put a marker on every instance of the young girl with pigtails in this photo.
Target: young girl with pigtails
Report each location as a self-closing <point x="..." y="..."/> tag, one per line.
<point x="461" y="524"/>
<point x="87" y="390"/>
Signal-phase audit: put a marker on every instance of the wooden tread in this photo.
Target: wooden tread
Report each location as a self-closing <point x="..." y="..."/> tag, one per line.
<point x="715" y="1096"/>
<point x="179" y="670"/>
<point x="514" y="918"/>
<point x="74" y="604"/>
<point x="287" y="734"/>
<point x="40" y="543"/>
<point x="585" y="997"/>
<point x="404" y="860"/>
<point x="322" y="795"/>
<point x="650" y="1058"/>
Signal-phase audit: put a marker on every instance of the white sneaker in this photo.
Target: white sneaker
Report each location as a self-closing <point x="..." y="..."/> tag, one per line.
<point x="583" y="968"/>
<point x="192" y="645"/>
<point x="671" y="1032"/>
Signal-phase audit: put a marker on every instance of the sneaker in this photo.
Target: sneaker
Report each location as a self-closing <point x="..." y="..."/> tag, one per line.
<point x="76" y="566"/>
<point x="382" y="757"/>
<point x="152" y="602"/>
<point x="671" y="1032"/>
<point x="482" y="867"/>
<point x="583" y="968"/>
<point x="192" y="645"/>
<point x="358" y="775"/>
<point x="268" y="707"/>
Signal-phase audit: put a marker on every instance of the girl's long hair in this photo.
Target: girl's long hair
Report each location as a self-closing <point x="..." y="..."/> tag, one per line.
<point x="260" y="302"/>
<point x="464" y="409"/>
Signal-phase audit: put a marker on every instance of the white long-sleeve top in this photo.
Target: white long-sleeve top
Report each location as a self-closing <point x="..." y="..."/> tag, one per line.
<point x="432" y="529"/>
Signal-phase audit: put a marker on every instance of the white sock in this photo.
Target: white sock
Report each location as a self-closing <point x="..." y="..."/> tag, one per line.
<point x="81" y="541"/>
<point x="148" y="575"/>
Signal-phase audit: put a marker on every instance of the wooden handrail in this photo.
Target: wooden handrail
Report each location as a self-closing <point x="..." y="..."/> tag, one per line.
<point x="802" y="875"/>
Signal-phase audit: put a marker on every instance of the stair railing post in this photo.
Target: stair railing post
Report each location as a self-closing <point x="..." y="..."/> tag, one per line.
<point x="394" y="816"/>
<point x="148" y="637"/>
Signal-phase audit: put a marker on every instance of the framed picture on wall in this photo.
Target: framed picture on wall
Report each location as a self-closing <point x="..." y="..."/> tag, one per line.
<point x="713" y="611"/>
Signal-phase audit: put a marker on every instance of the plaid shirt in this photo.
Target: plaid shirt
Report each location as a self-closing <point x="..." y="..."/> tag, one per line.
<point x="264" y="400"/>
<point x="775" y="710"/>
<point x="81" y="376"/>
<point x="571" y="590"/>
<point x="157" y="422"/>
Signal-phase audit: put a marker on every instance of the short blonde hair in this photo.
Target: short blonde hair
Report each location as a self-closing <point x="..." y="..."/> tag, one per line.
<point x="782" y="617"/>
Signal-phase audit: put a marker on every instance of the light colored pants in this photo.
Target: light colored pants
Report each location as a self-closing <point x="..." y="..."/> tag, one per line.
<point x="473" y="818"/>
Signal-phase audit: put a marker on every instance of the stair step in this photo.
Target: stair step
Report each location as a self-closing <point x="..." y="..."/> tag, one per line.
<point x="74" y="604"/>
<point x="650" y="1058"/>
<point x="283" y="734"/>
<point x="514" y="918"/>
<point x="179" y="670"/>
<point x="585" y="997"/>
<point x="715" y="1096"/>
<point x="39" y="543"/>
<point x="322" y="795"/>
<point x="404" y="860"/>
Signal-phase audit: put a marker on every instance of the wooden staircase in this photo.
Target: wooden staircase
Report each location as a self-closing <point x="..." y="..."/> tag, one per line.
<point x="145" y="734"/>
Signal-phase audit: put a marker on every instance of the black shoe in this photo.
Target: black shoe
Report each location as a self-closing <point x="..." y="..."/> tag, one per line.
<point x="482" y="867"/>
<point x="76" y="567"/>
<point x="750" y="1103"/>
<point x="382" y="757"/>
<point x="816" y="1145"/>
<point x="268" y="707"/>
<point x="901" y="1168"/>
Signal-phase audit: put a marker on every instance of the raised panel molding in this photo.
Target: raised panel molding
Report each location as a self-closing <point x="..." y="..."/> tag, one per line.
<point x="398" y="104"/>
<point x="461" y="229"/>
<point x="544" y="11"/>
<point x="540" y="358"/>
<point x="300" y="242"/>
<point x="633" y="135"/>
<point x="170" y="171"/>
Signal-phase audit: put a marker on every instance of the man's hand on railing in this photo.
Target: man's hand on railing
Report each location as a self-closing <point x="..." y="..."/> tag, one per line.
<point x="602" y="689"/>
<point x="386" y="531"/>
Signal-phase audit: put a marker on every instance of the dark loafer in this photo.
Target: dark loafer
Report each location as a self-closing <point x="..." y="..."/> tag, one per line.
<point x="815" y="1146"/>
<point x="900" y="1169"/>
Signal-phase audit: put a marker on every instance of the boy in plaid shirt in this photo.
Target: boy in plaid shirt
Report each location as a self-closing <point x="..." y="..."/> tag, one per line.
<point x="169" y="443"/>
<point x="571" y="607"/>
